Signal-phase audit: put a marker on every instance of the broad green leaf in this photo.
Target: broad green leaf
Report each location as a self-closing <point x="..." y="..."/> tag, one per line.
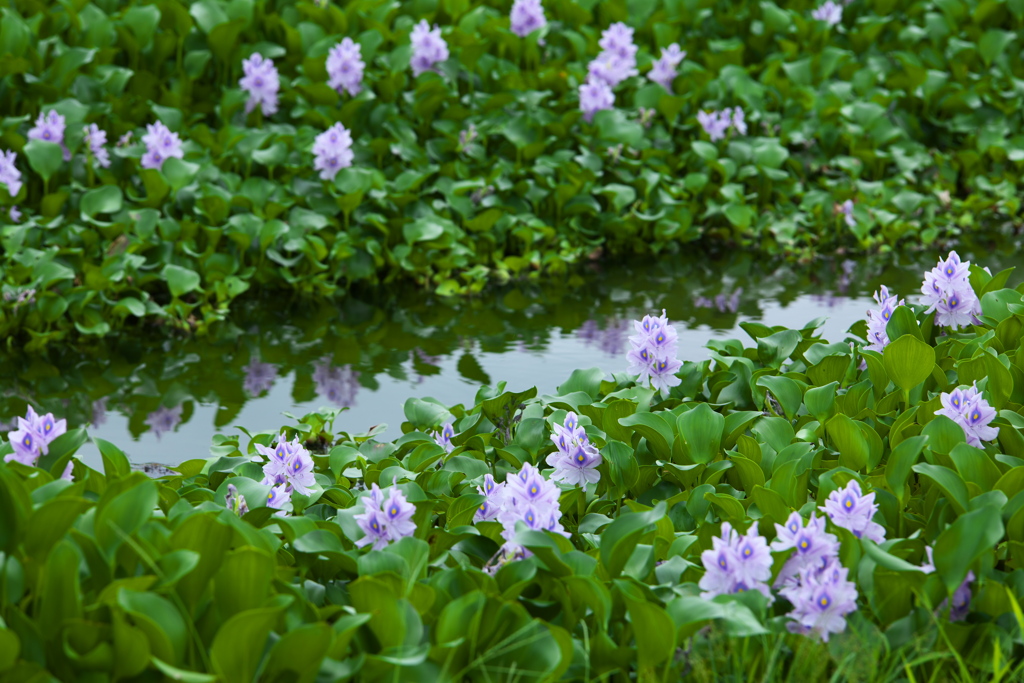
<point x="908" y="361"/>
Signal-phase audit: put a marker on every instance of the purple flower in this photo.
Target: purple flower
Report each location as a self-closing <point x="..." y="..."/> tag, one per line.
<point x="398" y="514"/>
<point x="969" y="409"/>
<point x="611" y="68"/>
<point x="527" y="16"/>
<point x="494" y="494"/>
<point x="830" y="12"/>
<point x="595" y="95"/>
<point x="822" y="596"/>
<point x="164" y="419"/>
<point x="467" y="136"/>
<point x="9" y="173"/>
<point x="33" y="436"/>
<point x="161" y="145"/>
<point x="339" y="385"/>
<point x="68" y="474"/>
<point x="235" y="501"/>
<point x="279" y="497"/>
<point x="618" y="39"/>
<point x="738" y="122"/>
<point x="50" y="128"/>
<point x="259" y="377"/>
<point x="262" y="82"/>
<point x="813" y="545"/>
<point x="95" y="139"/>
<point x="288" y="463"/>
<point x="717" y="123"/>
<point x="345" y="67"/>
<point x="961" y="599"/>
<point x="428" y="48"/>
<point x="947" y="291"/>
<point x="444" y="437"/>
<point x="333" y="150"/>
<point x="877" y="320"/>
<point x="663" y="72"/>
<point x="736" y="563"/>
<point x="850" y="509"/>
<point x="14" y="214"/>
<point x="846" y="209"/>
<point x="576" y="459"/>
<point x="653" y="353"/>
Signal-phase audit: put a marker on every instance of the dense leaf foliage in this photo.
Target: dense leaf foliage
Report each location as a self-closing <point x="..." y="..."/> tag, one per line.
<point x="903" y="114"/>
<point x="118" y="575"/>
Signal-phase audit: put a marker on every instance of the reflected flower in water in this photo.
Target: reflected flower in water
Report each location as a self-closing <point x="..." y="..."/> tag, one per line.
<point x="724" y="303"/>
<point x="99" y="411"/>
<point x="259" y="377"/>
<point x="339" y="385"/>
<point x="611" y="338"/>
<point x="164" y="419"/>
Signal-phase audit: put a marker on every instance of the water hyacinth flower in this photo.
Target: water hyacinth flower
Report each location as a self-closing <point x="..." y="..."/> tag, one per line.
<point x="33" y="437"/>
<point x="822" y="596"/>
<point x="14" y="214"/>
<point x="279" y="497"/>
<point x="494" y="495"/>
<point x="830" y="12"/>
<point x="333" y="150"/>
<point x="947" y="291"/>
<point x="653" y="354"/>
<point x="9" y="174"/>
<point x="95" y="138"/>
<point x="288" y="463"/>
<point x="618" y="39"/>
<point x="595" y="95"/>
<point x="383" y="521"/>
<point x="877" y="320"/>
<point x="526" y="17"/>
<point x="428" y="48"/>
<point x="443" y="438"/>
<point x="611" y="68"/>
<point x="161" y="145"/>
<point x="969" y="409"/>
<point x="846" y="209"/>
<point x="850" y="509"/>
<point x="164" y="419"/>
<point x="813" y="545"/>
<point x="50" y="127"/>
<point x="739" y="123"/>
<point x="576" y="459"/>
<point x="736" y="563"/>
<point x="259" y="377"/>
<point x="262" y="82"/>
<point x="345" y="67"/>
<point x="663" y="72"/>
<point x="717" y="123"/>
<point x="339" y="385"/>
<point x="235" y="501"/>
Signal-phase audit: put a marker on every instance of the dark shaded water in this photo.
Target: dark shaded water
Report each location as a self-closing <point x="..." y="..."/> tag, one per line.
<point x="163" y="399"/>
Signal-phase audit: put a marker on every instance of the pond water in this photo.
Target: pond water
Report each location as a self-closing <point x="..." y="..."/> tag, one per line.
<point x="162" y="399"/>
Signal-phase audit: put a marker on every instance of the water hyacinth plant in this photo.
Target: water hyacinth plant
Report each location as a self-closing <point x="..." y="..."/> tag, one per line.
<point x="345" y="67"/>
<point x="428" y="48"/>
<point x="526" y="17"/>
<point x="261" y="82"/>
<point x="161" y="145"/>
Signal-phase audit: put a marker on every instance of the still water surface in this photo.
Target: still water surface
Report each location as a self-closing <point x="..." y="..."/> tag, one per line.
<point x="163" y="399"/>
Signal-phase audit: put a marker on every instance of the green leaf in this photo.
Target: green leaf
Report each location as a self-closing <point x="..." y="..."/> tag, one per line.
<point x="180" y="280"/>
<point x="821" y="401"/>
<point x="160" y="620"/>
<point x="901" y="322"/>
<point x="943" y="434"/>
<point x="656" y="429"/>
<point x="621" y="536"/>
<point x="993" y="44"/>
<point x="238" y="646"/>
<point x="45" y="158"/>
<point x="107" y="199"/>
<point x="775" y="348"/>
<point x="901" y="462"/>
<point x="849" y="440"/>
<point x="654" y="630"/>
<point x="947" y="480"/>
<point x="701" y="430"/>
<point x="964" y="542"/>
<point x="785" y="390"/>
<point x="908" y="361"/>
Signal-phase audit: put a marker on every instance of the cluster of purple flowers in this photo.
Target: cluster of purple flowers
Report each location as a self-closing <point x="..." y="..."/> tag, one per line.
<point x="338" y="384"/>
<point x="161" y="145"/>
<point x="289" y="468"/>
<point x="877" y="320"/>
<point x="50" y="127"/>
<point x="95" y="138"/>
<point x="724" y="303"/>
<point x="333" y="150"/>
<point x="164" y="419"/>
<point x="736" y="563"/>
<point x="846" y="209"/>
<point x="443" y="438"/>
<point x="850" y="509"/>
<point x="428" y="48"/>
<point x="385" y="519"/>
<point x="717" y="123"/>
<point x="33" y="437"/>
<point x="235" y="501"/>
<point x="947" y="291"/>
<point x="663" y="72"/>
<point x="830" y="12"/>
<point x="615" y="63"/>
<point x="526" y="497"/>
<point x="813" y="580"/>
<point x="9" y="173"/>
<point x="262" y="82"/>
<point x="345" y="67"/>
<point x="610" y="338"/>
<point x="961" y="596"/>
<point x="576" y="459"/>
<point x="969" y="409"/>
<point x="259" y="377"/>
<point x="653" y="354"/>
<point x="526" y="17"/>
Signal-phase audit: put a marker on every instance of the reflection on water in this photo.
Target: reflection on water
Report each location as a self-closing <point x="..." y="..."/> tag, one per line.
<point x="163" y="399"/>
